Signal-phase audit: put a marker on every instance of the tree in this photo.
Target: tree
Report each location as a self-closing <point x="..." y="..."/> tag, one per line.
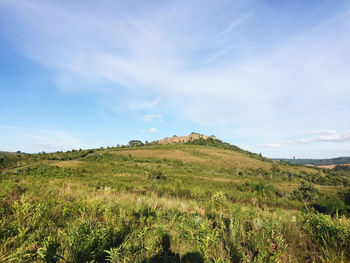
<point x="135" y="143"/>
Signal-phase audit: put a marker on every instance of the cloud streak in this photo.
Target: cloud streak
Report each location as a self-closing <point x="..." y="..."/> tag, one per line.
<point x="43" y="139"/>
<point x="327" y="136"/>
<point x="174" y="54"/>
<point x="150" y="130"/>
<point x="150" y="117"/>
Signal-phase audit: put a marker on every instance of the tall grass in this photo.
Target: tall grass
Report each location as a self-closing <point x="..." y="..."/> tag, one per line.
<point x="121" y="208"/>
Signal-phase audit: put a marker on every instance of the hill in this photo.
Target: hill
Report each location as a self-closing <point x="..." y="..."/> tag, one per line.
<point x="202" y="200"/>
<point x="2" y="153"/>
<point x="319" y="162"/>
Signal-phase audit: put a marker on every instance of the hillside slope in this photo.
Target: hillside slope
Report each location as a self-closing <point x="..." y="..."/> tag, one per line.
<point x="200" y="201"/>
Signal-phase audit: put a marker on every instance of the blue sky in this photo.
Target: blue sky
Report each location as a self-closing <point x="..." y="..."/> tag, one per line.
<point x="270" y="76"/>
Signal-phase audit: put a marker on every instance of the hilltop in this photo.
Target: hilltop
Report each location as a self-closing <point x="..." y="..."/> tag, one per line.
<point x="196" y="199"/>
<point x="184" y="139"/>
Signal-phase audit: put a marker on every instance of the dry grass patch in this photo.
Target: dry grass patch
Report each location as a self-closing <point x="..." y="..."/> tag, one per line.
<point x="68" y="164"/>
<point x="234" y="159"/>
<point x="211" y="157"/>
<point x="218" y="179"/>
<point x="161" y="154"/>
<point x="331" y="166"/>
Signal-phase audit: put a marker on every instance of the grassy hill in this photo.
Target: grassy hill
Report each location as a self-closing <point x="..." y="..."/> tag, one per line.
<point x="200" y="201"/>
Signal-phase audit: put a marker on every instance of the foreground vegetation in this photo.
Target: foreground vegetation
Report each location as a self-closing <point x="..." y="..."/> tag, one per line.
<point x="204" y="201"/>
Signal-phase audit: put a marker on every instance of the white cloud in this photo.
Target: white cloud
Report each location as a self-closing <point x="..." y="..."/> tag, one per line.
<point x="44" y="139"/>
<point x="151" y="130"/>
<point x="345" y="125"/>
<point x="174" y="54"/>
<point x="323" y="132"/>
<point x="219" y="63"/>
<point x="247" y="148"/>
<point x="46" y="146"/>
<point x="328" y="136"/>
<point x="150" y="117"/>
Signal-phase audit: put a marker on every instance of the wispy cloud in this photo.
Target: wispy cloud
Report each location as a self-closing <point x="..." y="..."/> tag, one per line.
<point x="175" y="53"/>
<point x="323" y="132"/>
<point x="150" y="130"/>
<point x="251" y="65"/>
<point x="43" y="139"/>
<point x="150" y="117"/>
<point x="327" y="136"/>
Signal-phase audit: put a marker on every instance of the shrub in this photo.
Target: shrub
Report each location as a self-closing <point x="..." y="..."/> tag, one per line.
<point x="330" y="204"/>
<point x="330" y="234"/>
<point x="261" y="188"/>
<point x="306" y="192"/>
<point x="8" y="230"/>
<point x="346" y="197"/>
<point x="48" y="253"/>
<point x="88" y="242"/>
<point x="135" y="143"/>
<point x="219" y="200"/>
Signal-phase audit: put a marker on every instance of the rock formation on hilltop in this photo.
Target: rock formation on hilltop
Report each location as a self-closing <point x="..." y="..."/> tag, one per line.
<point x="184" y="139"/>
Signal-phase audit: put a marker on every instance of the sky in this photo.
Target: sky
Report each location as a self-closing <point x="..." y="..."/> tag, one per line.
<point x="270" y="76"/>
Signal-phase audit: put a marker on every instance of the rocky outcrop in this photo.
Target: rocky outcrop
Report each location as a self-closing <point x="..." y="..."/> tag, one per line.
<point x="184" y="139"/>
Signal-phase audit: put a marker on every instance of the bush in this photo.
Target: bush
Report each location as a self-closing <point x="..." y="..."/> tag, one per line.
<point x="262" y="189"/>
<point x="88" y="242"/>
<point x="330" y="234"/>
<point x="342" y="168"/>
<point x="330" y="204"/>
<point x="219" y="200"/>
<point x="306" y="192"/>
<point x="135" y="143"/>
<point x="48" y="253"/>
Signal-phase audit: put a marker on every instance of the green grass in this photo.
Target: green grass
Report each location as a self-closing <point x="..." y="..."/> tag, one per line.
<point x="151" y="204"/>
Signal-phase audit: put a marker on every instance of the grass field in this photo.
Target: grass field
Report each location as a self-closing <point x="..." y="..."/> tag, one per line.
<point x="171" y="203"/>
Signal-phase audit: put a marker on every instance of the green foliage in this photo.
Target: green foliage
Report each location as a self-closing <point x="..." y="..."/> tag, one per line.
<point x="342" y="168"/>
<point x="260" y="188"/>
<point x="331" y="204"/>
<point x="20" y="159"/>
<point x="163" y="209"/>
<point x="8" y="161"/>
<point x="48" y="253"/>
<point x="88" y="241"/>
<point x="219" y="200"/>
<point x="135" y="143"/>
<point x="306" y="192"/>
<point x="319" y="162"/>
<point x="332" y="235"/>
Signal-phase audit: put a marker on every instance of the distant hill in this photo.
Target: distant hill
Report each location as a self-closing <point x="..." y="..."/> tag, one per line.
<point x="3" y="153"/>
<point x="318" y="162"/>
